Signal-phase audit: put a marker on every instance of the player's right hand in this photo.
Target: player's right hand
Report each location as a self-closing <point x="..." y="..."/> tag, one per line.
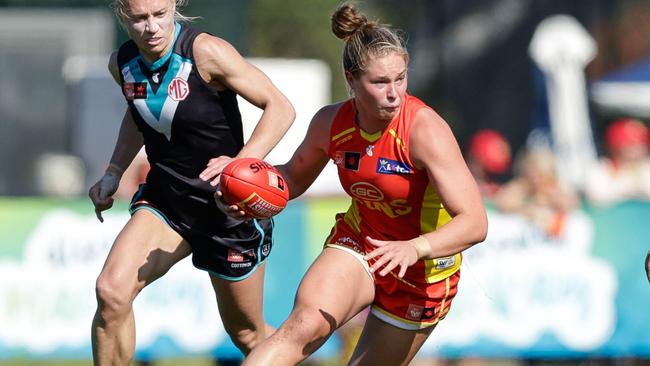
<point x="101" y="193"/>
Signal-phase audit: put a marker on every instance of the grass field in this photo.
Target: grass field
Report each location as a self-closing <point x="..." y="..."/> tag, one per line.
<point x="194" y="361"/>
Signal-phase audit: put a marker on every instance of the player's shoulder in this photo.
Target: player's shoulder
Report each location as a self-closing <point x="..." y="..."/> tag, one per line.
<point x="113" y="66"/>
<point x="329" y="111"/>
<point x="326" y="116"/>
<point x="208" y="45"/>
<point x="425" y="118"/>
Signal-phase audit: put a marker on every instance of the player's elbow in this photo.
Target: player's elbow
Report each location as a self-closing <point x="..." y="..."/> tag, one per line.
<point x="287" y="111"/>
<point x="480" y="228"/>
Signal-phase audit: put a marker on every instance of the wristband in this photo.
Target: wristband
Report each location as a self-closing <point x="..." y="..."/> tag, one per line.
<point x="114" y="169"/>
<point x="108" y="184"/>
<point x="422" y="246"/>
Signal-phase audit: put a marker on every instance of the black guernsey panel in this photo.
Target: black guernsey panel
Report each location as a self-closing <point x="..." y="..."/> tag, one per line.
<point x="184" y="122"/>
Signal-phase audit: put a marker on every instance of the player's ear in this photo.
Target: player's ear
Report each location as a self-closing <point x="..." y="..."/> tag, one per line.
<point x="349" y="78"/>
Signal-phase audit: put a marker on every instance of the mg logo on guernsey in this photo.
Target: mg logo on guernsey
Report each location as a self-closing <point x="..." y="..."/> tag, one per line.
<point x="366" y="192"/>
<point x="178" y="89"/>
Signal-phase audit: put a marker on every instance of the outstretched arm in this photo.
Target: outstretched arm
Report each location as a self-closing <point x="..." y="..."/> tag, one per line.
<point x="221" y="66"/>
<point x="310" y="157"/>
<point x="434" y="148"/>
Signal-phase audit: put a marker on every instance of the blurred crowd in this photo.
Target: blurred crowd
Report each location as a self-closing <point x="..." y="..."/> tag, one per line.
<point x="529" y="183"/>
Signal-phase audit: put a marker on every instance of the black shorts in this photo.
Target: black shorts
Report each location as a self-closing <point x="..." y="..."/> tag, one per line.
<point x="228" y="248"/>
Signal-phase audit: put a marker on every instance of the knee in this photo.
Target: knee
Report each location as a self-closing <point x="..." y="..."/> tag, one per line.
<point x="247" y="337"/>
<point x="114" y="298"/>
<point x="308" y="325"/>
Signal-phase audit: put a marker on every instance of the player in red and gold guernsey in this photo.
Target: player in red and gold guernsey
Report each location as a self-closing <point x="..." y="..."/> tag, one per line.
<point x="415" y="207"/>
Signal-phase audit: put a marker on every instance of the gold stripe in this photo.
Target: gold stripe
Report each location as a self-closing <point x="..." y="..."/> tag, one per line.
<point x="433" y="216"/>
<point x="444" y="300"/>
<point x="349" y="130"/>
<point x="352" y="217"/>
<point x="372" y="137"/>
<point x="394" y="134"/>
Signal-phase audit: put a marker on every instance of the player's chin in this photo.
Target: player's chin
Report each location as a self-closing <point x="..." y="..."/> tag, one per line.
<point x="388" y="114"/>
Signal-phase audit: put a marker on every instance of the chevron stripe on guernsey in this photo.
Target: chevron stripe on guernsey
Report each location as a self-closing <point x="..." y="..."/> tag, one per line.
<point x="158" y="111"/>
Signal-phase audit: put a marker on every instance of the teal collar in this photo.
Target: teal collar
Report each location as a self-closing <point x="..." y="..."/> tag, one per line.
<point x="161" y="61"/>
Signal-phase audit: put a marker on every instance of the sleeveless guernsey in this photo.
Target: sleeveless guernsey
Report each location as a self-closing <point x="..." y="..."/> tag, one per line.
<point x="391" y="199"/>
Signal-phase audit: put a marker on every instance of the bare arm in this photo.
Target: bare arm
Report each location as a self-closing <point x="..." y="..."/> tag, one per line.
<point x="434" y="148"/>
<point x="129" y="142"/>
<point x="310" y="157"/>
<point x="221" y="66"/>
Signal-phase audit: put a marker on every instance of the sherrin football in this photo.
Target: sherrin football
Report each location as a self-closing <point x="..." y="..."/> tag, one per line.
<point x="254" y="185"/>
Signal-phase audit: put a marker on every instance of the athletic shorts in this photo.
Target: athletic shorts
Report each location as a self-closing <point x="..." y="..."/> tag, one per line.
<point x="407" y="303"/>
<point x="228" y="248"/>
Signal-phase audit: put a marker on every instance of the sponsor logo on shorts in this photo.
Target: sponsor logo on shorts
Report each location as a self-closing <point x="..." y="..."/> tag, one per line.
<point x="235" y="256"/>
<point x="414" y="312"/>
<point x="446" y="262"/>
<point x="266" y="249"/>
<point x="348" y="242"/>
<point x="389" y="166"/>
<point x="428" y="313"/>
<point x="241" y="265"/>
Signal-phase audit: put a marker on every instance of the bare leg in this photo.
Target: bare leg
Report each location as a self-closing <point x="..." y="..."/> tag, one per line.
<point x="335" y="288"/>
<point x="241" y="307"/>
<point x="143" y="251"/>
<point x="384" y="344"/>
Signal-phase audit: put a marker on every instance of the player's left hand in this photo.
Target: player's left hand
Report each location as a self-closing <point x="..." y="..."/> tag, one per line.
<point x="213" y="169"/>
<point x="231" y="210"/>
<point x="390" y="255"/>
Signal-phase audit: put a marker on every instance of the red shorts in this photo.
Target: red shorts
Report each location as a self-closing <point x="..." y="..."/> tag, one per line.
<point x="409" y="302"/>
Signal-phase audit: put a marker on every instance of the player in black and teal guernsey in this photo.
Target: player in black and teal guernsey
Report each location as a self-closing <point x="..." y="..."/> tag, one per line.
<point x="181" y="86"/>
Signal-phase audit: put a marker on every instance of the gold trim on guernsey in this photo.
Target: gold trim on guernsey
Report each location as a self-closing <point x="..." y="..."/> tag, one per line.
<point x="432" y="217"/>
<point x="352" y="217"/>
<point x="341" y="134"/>
<point x="371" y="137"/>
<point x="397" y="139"/>
<point x="433" y="274"/>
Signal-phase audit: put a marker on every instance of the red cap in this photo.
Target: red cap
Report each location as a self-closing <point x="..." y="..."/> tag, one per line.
<point x="491" y="150"/>
<point x="626" y="131"/>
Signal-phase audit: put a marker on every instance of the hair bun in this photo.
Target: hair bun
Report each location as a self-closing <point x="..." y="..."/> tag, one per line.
<point x="347" y="20"/>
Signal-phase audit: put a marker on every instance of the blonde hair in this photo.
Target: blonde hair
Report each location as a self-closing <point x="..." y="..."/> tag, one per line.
<point x="364" y="39"/>
<point x="120" y="8"/>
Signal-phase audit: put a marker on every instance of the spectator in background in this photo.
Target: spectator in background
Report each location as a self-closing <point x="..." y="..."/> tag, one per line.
<point x="536" y="193"/>
<point x="624" y="174"/>
<point x="488" y="158"/>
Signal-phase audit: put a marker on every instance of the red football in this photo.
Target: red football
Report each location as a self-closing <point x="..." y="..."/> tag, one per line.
<point x="254" y="185"/>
